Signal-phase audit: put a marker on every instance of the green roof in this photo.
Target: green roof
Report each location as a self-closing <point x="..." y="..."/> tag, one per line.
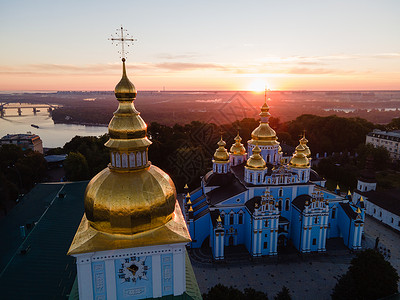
<point x="45" y="271"/>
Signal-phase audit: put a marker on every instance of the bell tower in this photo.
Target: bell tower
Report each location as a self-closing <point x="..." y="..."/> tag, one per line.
<point x="131" y="241"/>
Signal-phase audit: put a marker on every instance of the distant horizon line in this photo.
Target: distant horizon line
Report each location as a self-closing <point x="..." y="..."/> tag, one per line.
<point x="173" y="90"/>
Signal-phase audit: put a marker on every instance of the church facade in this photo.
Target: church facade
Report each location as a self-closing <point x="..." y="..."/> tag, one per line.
<point x="262" y="200"/>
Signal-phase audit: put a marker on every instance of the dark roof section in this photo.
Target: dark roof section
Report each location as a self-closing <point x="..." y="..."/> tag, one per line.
<point x="287" y="150"/>
<point x="47" y="271"/>
<point x="314" y="176"/>
<point x="194" y="202"/>
<point x="213" y="179"/>
<point x="239" y="171"/>
<point x="227" y="191"/>
<point x="195" y="190"/>
<point x="200" y="206"/>
<point x="348" y="210"/>
<point x="283" y="220"/>
<point x="300" y="201"/>
<point x="214" y="216"/>
<point x="250" y="203"/>
<point x="386" y="199"/>
<point x="201" y="214"/>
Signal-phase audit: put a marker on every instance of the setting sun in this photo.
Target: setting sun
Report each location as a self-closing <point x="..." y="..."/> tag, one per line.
<point x="257" y="86"/>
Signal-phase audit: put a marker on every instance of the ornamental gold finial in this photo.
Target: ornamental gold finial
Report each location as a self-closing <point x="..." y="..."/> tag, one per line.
<point x="122" y="37"/>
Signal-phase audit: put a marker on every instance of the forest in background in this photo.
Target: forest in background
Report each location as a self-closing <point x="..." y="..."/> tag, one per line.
<point x="185" y="151"/>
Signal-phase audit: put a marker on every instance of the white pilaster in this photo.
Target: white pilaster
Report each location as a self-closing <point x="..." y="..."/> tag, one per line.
<point x="85" y="281"/>
<point x="110" y="279"/>
<point x="179" y="271"/>
<point x="156" y="273"/>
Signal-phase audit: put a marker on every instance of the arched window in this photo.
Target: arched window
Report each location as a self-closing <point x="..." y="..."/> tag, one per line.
<point x="231" y="219"/>
<point x="287" y="204"/>
<point x="240" y="218"/>
<point x="333" y="212"/>
<point x="259" y="178"/>
<point x="302" y="176"/>
<point x="280" y="193"/>
<point x="280" y="205"/>
<point x="251" y="177"/>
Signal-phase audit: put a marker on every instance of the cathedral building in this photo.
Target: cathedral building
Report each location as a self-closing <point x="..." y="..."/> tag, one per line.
<point x="131" y="241"/>
<point x="263" y="200"/>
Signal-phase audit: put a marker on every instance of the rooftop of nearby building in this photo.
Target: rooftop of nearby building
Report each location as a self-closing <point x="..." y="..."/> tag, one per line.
<point x="386" y="199"/>
<point x="20" y="136"/>
<point x="40" y="263"/>
<point x="381" y="133"/>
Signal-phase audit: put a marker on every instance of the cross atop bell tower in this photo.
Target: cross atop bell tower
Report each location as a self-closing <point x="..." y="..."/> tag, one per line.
<point x="120" y="38"/>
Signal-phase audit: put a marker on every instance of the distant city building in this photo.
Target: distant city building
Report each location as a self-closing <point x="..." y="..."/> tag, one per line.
<point x="263" y="200"/>
<point x="24" y="141"/>
<point x="388" y="139"/>
<point x="382" y="205"/>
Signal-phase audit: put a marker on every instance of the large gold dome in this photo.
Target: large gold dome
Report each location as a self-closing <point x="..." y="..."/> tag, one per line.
<point x="130" y="195"/>
<point x="122" y="202"/>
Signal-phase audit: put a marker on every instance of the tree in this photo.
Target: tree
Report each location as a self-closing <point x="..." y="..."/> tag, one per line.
<point x="369" y="276"/>
<point x="221" y="292"/>
<point x="76" y="167"/>
<point x="284" y="294"/>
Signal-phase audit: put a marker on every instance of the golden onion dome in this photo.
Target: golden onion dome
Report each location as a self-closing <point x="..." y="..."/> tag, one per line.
<point x="299" y="160"/>
<point x="303" y="141"/>
<point x="125" y="88"/>
<point x="124" y="198"/>
<point x="221" y="154"/>
<point x="264" y="134"/>
<point x="256" y="161"/>
<point x="238" y="148"/>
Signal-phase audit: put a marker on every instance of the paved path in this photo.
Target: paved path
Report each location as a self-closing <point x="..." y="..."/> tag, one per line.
<point x="306" y="277"/>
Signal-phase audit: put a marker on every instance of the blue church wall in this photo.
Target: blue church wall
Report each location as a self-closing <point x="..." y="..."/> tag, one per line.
<point x="344" y="226"/>
<point x="266" y="236"/>
<point x="315" y="230"/>
<point x="200" y="231"/>
<point x="296" y="228"/>
<point x="247" y="226"/>
<point x="236" y="200"/>
<point x="333" y="221"/>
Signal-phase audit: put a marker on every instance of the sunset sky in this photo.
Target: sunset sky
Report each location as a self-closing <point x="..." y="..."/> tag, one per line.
<point x="201" y="45"/>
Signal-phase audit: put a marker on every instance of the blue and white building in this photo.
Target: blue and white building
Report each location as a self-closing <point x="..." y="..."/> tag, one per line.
<point x="262" y="200"/>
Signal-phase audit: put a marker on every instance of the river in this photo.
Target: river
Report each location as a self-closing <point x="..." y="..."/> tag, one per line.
<point x="52" y="135"/>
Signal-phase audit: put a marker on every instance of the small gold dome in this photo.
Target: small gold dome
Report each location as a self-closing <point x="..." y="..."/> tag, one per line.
<point x="125" y="88"/>
<point x="238" y="148"/>
<point x="129" y="202"/>
<point x="303" y="141"/>
<point x="221" y="154"/>
<point x="299" y="160"/>
<point x="256" y="161"/>
<point x="264" y="134"/>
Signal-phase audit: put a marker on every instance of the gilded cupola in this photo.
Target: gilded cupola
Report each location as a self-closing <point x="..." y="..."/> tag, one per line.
<point x="303" y="142"/>
<point x="221" y="155"/>
<point x="264" y="134"/>
<point x="131" y="195"/>
<point x="299" y="159"/>
<point x="238" y="148"/>
<point x="256" y="161"/>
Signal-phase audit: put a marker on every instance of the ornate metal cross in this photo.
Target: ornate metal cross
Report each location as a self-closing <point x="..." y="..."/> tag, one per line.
<point x="121" y="37"/>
